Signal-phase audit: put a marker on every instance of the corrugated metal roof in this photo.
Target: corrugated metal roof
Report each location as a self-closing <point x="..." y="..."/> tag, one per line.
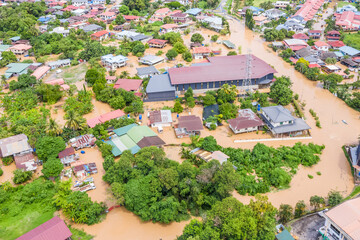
<point x="123" y="130"/>
<point x="159" y="83"/>
<point x="278" y="114"/>
<point x="138" y="132"/>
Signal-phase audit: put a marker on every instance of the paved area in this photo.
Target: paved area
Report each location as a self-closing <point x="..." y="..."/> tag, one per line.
<point x="307" y="227"/>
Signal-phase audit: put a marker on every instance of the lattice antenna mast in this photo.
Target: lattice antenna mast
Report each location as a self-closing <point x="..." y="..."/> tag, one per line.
<point x="247" y="81"/>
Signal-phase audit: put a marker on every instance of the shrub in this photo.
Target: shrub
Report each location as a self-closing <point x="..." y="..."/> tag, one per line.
<point x="21" y="176"/>
<point x="7" y="161"/>
<point x="318" y="173"/>
<point x="285" y="213"/>
<point x="318" y="124"/>
<point x="334" y="198"/>
<point x="310" y="176"/>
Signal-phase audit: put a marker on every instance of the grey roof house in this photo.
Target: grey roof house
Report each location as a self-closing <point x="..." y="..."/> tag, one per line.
<point x="145" y="72"/>
<point x="281" y="123"/>
<point x="91" y="28"/>
<point x="14" y="145"/>
<point x="151" y="60"/>
<point x="160" y="89"/>
<point x="352" y="52"/>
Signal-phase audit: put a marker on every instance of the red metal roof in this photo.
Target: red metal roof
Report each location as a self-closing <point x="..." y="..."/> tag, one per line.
<point x="201" y="50"/>
<point x="130" y="17"/>
<point x="128" y="84"/>
<point x="100" y="33"/>
<point x="66" y="152"/>
<point x="300" y="36"/>
<point x="336" y="44"/>
<point x="223" y="68"/>
<point x="105" y="117"/>
<point x="321" y="44"/>
<point x="314" y="65"/>
<point x="157" y="41"/>
<point x="54" y="229"/>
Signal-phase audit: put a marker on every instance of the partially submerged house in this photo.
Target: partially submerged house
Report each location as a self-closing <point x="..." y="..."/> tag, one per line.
<point x="354" y="154"/>
<point x="247" y="121"/>
<point x="68" y="156"/>
<point x="146" y="72"/>
<point x="113" y="62"/>
<point x="295" y="44"/>
<point x="14" y="145"/>
<point x="59" y="63"/>
<point x="54" y="229"/>
<point x="187" y="126"/>
<point x="151" y="60"/>
<point x="116" y="114"/>
<point x="132" y="85"/>
<point x="210" y="112"/>
<point x="25" y="161"/>
<point x="201" y="52"/>
<point x="159" y="88"/>
<point x="100" y="36"/>
<point x="40" y="72"/>
<point x="20" y="49"/>
<point x="160" y="118"/>
<point x="83" y="141"/>
<point x="282" y="124"/>
<point x="157" y="43"/>
<point x="83" y="170"/>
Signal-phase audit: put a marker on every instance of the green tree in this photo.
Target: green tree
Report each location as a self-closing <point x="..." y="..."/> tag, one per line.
<point x="138" y="5"/>
<point x="208" y="99"/>
<point x="228" y="110"/>
<point x="124" y="10"/>
<point x="138" y="49"/>
<point x="231" y="53"/>
<point x="24" y="81"/>
<point x="187" y="56"/>
<point x="197" y="38"/>
<point x="210" y="144"/>
<point x="53" y="129"/>
<point x="285" y="213"/>
<point x="74" y="121"/>
<point x="7" y="57"/>
<point x="300" y="209"/>
<point x="280" y="91"/>
<point x="334" y="198"/>
<point x="330" y="60"/>
<point x="49" y="93"/>
<point x="227" y="93"/>
<point x="249" y="20"/>
<point x="171" y="54"/>
<point x="180" y="48"/>
<point x="119" y="19"/>
<point x="177" y="107"/>
<point x="49" y="147"/>
<point x="21" y="176"/>
<point x="91" y="76"/>
<point x="317" y="202"/>
<point x="214" y="38"/>
<point x="52" y="168"/>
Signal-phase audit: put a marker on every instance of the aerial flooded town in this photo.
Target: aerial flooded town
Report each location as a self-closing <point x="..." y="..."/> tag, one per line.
<point x="187" y="120"/>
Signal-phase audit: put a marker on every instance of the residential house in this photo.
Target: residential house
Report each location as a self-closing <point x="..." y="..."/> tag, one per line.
<point x="295" y="44"/>
<point x="314" y="34"/>
<point x="194" y="11"/>
<point x="160" y="14"/>
<point x="25" y="161"/>
<point x="255" y="10"/>
<point x="281" y="4"/>
<point x="133" y="137"/>
<point x="229" y="44"/>
<point x="100" y="36"/>
<point x="157" y="43"/>
<point x="16" y="69"/>
<point x="103" y="118"/>
<point x="79" y="171"/>
<point x="309" y="9"/>
<point x="354" y="154"/>
<point x="78" y="3"/>
<point x="349" y="51"/>
<point x="147" y="72"/>
<point x="349" y="64"/>
<point x="187" y="126"/>
<point x="110" y="79"/>
<point x="126" y="34"/>
<point x="331" y="69"/>
<point x="201" y="52"/>
<point x="342" y="221"/>
<point x="170" y="27"/>
<point x="301" y="36"/>
<point x="160" y="118"/>
<point x="281" y="123"/>
<point x="305" y="52"/>
<point x="40" y="72"/>
<point x="247" y="121"/>
<point x="98" y="2"/>
<point x="83" y="141"/>
<point x="333" y="35"/>
<point x="210" y="115"/>
<point x="55" y="227"/>
<point x="348" y="21"/>
<point x="59" y="63"/>
<point x="159" y="88"/>
<point x="346" y="8"/>
<point x="214" y="22"/>
<point x="4" y="48"/>
<point x="20" y="49"/>
<point x="260" y="20"/>
<point x="326" y="55"/>
<point x="274" y="14"/>
<point x="68" y="156"/>
<point x="107" y="16"/>
<point x="151" y="60"/>
<point x="132" y="85"/>
<point x="321" y="46"/>
<point x="295" y="23"/>
<point x="336" y="44"/>
<point x="14" y="145"/>
<point x="80" y="12"/>
<point x="140" y="37"/>
<point x="91" y="28"/>
<point x="113" y="62"/>
<point x="130" y="18"/>
<point x="43" y="28"/>
<point x="179" y="17"/>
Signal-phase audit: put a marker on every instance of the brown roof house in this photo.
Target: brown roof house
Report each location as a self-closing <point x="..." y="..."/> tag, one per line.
<point x="188" y="126"/>
<point x="25" y="162"/>
<point x="247" y="121"/>
<point x="54" y="229"/>
<point x="68" y="156"/>
<point x="14" y="145"/>
<point x="160" y="118"/>
<point x="83" y="141"/>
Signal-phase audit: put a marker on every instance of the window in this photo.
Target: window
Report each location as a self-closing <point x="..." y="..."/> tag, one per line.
<point x="334" y="229"/>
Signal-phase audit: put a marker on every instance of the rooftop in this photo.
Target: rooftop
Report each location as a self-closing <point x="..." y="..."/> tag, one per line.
<point x="128" y="84"/>
<point x="162" y="116"/>
<point x="66" y="152"/>
<point x="246" y="119"/>
<point x="14" y="144"/>
<point x="278" y="114"/>
<point x="100" y="33"/>
<point x="147" y="70"/>
<point x="105" y="117"/>
<point x="190" y="123"/>
<point x="159" y="83"/>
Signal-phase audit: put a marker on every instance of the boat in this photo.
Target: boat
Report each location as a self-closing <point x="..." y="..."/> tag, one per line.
<point x="344" y="122"/>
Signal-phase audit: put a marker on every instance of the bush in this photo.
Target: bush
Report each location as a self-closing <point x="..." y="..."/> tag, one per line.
<point x="334" y="198"/>
<point x="310" y="176"/>
<point x="318" y="124"/>
<point x="285" y="213"/>
<point x="300" y="209"/>
<point x="1" y="172"/>
<point x="318" y="173"/>
<point x="7" y="160"/>
<point x="21" y="176"/>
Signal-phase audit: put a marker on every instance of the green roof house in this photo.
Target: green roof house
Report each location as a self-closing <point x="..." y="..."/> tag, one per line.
<point x="16" y="69"/>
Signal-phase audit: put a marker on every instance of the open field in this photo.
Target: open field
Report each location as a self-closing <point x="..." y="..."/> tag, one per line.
<point x="341" y="4"/>
<point x="352" y="40"/>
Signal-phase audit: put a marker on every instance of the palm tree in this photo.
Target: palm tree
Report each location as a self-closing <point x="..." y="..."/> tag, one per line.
<point x="74" y="121"/>
<point x="53" y="128"/>
<point x="124" y="74"/>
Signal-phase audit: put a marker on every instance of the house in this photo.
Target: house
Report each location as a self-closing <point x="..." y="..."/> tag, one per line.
<point x="140" y="37"/>
<point x="59" y="63"/>
<point x="208" y="156"/>
<point x="40" y="72"/>
<point x="314" y="34"/>
<point x="157" y="43"/>
<point x="349" y="63"/>
<point x="79" y="171"/>
<point x="333" y="35"/>
<point x="210" y="115"/>
<point x="187" y="126"/>
<point x="179" y="17"/>
<point x="100" y="36"/>
<point x="304" y="52"/>
<point x="336" y="44"/>
<point x="78" y="3"/>
<point x="4" y="48"/>
<point x="110" y="79"/>
<point x="295" y="44"/>
<point x="301" y="36"/>
<point x="68" y="156"/>
<point x="20" y="49"/>
<point x="260" y="20"/>
<point x="26" y="162"/>
<point x="348" y="20"/>
<point x="255" y="10"/>
<point x="331" y="69"/>
<point x="159" y="88"/>
<point x="83" y="141"/>
<point x="229" y="44"/>
<point x="133" y="137"/>
<point x="194" y="11"/>
<point x="350" y="51"/>
<point x="247" y="121"/>
<point x="151" y="60"/>
<point x="160" y="14"/>
<point x="130" y="18"/>
<point x="274" y="14"/>
<point x="321" y="46"/>
<point x="126" y="34"/>
<point x="354" y="155"/>
<point x="55" y="227"/>
<point x="342" y="221"/>
<point x="147" y="72"/>
<point x="346" y="8"/>
<point x="160" y="118"/>
<point x="60" y="82"/>
<point x="107" y="15"/>
<point x="326" y="55"/>
<point x="170" y="27"/>
<point x="201" y="52"/>
<point x="61" y="30"/>
<point x="309" y="9"/>
<point x="113" y="62"/>
<point x="16" y="69"/>
<point x="281" y="4"/>
<point x="281" y="123"/>
<point x="132" y="85"/>
<point x="214" y="22"/>
<point x="91" y="28"/>
<point x="103" y="118"/>
<point x="14" y="145"/>
<point x="43" y="28"/>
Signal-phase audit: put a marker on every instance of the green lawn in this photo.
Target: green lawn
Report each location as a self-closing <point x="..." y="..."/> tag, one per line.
<point x="352" y="40"/>
<point x="74" y="74"/>
<point x="355" y="192"/>
<point x="257" y="2"/>
<point x="79" y="234"/>
<point x="341" y="4"/>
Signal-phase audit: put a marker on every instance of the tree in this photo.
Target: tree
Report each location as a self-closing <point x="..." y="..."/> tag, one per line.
<point x="49" y="93"/>
<point x="227" y="93"/>
<point x="74" y="121"/>
<point x="49" y="147"/>
<point x="285" y="213"/>
<point x="136" y="4"/>
<point x="208" y="99"/>
<point x="92" y="75"/>
<point x="317" y="202"/>
<point x="197" y="38"/>
<point x="21" y="176"/>
<point x="52" y="168"/>
<point x="228" y="110"/>
<point x="232" y="53"/>
<point x="138" y="49"/>
<point x="119" y="19"/>
<point x="53" y="129"/>
<point x="171" y="54"/>
<point x="300" y="209"/>
<point x="190" y="102"/>
<point x="180" y="48"/>
<point x="280" y="91"/>
<point x="249" y="20"/>
<point x="214" y="38"/>
<point x="187" y="56"/>
<point x="124" y="10"/>
<point x="210" y="144"/>
<point x="330" y="60"/>
<point x="24" y="81"/>
<point x="334" y="198"/>
<point x="7" y="57"/>
<point x="189" y="93"/>
<point x="177" y="107"/>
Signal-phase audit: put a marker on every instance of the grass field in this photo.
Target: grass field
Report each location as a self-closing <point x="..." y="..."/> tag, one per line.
<point x="341" y="4"/>
<point x="352" y="40"/>
<point x="257" y="2"/>
<point x="79" y="234"/>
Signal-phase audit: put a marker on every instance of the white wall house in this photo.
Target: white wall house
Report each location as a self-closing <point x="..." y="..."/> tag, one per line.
<point x="113" y="62"/>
